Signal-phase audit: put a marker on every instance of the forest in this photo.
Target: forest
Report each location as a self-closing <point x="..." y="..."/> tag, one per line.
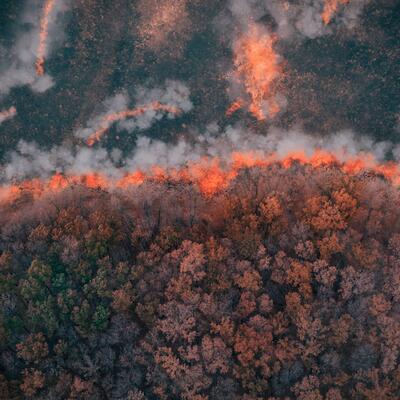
<point x="284" y="285"/>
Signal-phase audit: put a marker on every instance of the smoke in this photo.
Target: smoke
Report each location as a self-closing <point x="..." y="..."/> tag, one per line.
<point x="257" y="30"/>
<point x="173" y="93"/>
<point x="113" y="105"/>
<point x="152" y="104"/>
<point x="258" y="69"/>
<point x="17" y="67"/>
<point x="28" y="160"/>
<point x="257" y="27"/>
<point x="295" y="19"/>
<point x="216" y="144"/>
<point x="109" y="119"/>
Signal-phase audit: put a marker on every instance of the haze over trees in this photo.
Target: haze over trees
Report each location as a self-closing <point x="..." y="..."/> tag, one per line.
<point x="284" y="286"/>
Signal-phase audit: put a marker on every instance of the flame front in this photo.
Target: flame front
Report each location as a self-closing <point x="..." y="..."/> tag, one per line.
<point x="330" y="9"/>
<point x="109" y="119"/>
<point x="210" y="176"/>
<point x="43" y="35"/>
<point x="258" y="68"/>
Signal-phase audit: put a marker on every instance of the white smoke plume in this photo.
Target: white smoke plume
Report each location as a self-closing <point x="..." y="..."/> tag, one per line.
<point x="214" y="143"/>
<point x="17" y="63"/>
<point x="172" y="93"/>
<point x="285" y="22"/>
<point x="294" y="19"/>
<point x="29" y="161"/>
<point x="115" y="104"/>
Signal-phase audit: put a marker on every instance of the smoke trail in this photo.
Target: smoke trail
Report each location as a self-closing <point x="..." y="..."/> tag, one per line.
<point x="7" y="114"/>
<point x="293" y="19"/>
<point x="258" y="68"/>
<point x="209" y="175"/>
<point x="108" y="120"/>
<point x="330" y="8"/>
<point x="43" y="34"/>
<point x="172" y="99"/>
<point x="29" y="161"/>
<point x="23" y="63"/>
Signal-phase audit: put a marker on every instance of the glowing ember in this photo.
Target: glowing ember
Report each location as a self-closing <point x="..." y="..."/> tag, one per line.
<point x="43" y="34"/>
<point x="109" y="119"/>
<point x="330" y="9"/>
<point x="164" y="26"/>
<point x="236" y="105"/>
<point x="7" y="114"/>
<point x="258" y="68"/>
<point x="210" y="176"/>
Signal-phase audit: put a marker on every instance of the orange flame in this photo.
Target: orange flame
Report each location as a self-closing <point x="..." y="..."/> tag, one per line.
<point x="109" y="119"/>
<point x="43" y="34"/>
<point x="7" y="114"/>
<point x="258" y="68"/>
<point x="330" y="9"/>
<point x="236" y="105"/>
<point x="210" y="176"/>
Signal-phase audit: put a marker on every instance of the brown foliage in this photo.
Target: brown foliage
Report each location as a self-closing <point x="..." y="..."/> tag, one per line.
<point x="33" y="381"/>
<point x="284" y="286"/>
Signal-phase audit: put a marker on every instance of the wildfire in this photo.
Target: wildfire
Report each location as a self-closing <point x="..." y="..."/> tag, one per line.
<point x="109" y="119"/>
<point x="7" y="114"/>
<point x="258" y="68"/>
<point x="330" y="9"/>
<point x="43" y="34"/>
<point x="236" y="105"/>
<point x="210" y="176"/>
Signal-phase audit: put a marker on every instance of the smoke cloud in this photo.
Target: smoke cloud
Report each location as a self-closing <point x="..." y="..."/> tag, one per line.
<point x="173" y="94"/>
<point x="17" y="67"/>
<point x="257" y="26"/>
<point x="28" y="160"/>
<point x="295" y="19"/>
<point x="113" y="105"/>
<point x="214" y="143"/>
